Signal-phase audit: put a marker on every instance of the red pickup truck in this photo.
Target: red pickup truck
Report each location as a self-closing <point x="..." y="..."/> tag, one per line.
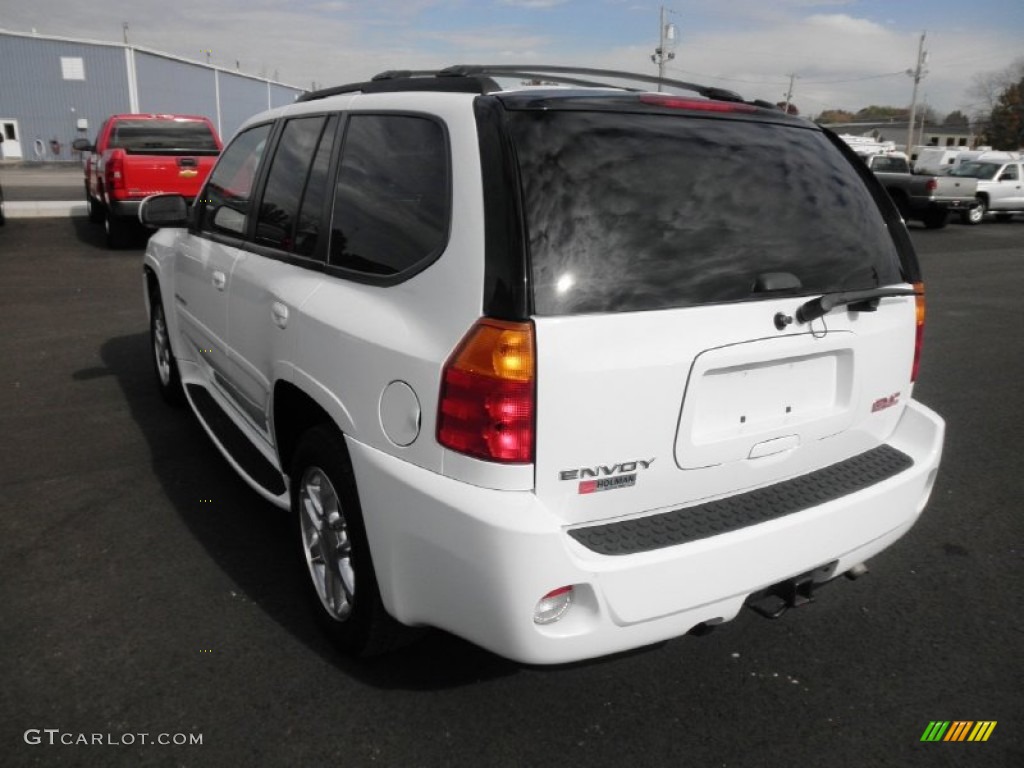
<point x="136" y="156"/>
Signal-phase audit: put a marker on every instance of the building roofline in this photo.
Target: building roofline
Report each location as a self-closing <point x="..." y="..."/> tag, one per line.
<point x="152" y="52"/>
<point x="902" y="126"/>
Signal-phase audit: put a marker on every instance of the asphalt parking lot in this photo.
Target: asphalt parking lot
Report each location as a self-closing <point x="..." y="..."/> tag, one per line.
<point x="146" y="590"/>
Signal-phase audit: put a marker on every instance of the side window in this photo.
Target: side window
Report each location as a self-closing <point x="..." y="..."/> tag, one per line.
<point x="295" y="160"/>
<point x="223" y="206"/>
<point x="307" y="229"/>
<point x="1009" y="173"/>
<point x="392" y="202"/>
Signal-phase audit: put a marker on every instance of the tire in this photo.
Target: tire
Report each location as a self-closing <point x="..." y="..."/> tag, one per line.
<point x="3" y="218"/>
<point x="976" y="215"/>
<point x="936" y="219"/>
<point x="95" y="209"/>
<point x="118" y="231"/>
<point x="339" y="574"/>
<point x="168" y="379"/>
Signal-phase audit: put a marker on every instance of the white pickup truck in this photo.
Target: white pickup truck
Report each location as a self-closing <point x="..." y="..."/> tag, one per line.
<point x="1000" y="180"/>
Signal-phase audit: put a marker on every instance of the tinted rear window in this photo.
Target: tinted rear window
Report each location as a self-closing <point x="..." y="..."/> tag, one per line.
<point x="632" y="212"/>
<point x="136" y="135"/>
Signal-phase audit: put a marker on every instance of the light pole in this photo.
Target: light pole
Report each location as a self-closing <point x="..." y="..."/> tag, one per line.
<point x="789" y="94"/>
<point x="917" y="73"/>
<point x="666" y="37"/>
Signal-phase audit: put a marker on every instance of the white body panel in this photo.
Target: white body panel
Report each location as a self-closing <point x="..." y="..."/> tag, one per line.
<point x="1005" y="192"/>
<point x="475" y="561"/>
<point x="671" y="388"/>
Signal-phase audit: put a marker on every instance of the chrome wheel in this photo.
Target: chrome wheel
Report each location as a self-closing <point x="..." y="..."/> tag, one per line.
<point x="161" y="346"/>
<point x="326" y="544"/>
<point x="977" y="214"/>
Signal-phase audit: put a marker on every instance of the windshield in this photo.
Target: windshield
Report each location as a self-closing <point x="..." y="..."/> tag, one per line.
<point x="632" y="212"/>
<point x="976" y="170"/>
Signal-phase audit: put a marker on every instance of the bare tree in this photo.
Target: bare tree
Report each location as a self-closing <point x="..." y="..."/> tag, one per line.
<point x="987" y="87"/>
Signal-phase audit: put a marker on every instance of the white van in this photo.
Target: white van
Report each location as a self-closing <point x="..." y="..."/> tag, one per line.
<point x="987" y="156"/>
<point x="934" y="161"/>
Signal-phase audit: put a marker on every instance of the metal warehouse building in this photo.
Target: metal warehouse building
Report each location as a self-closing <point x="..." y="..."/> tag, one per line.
<point x="54" y="90"/>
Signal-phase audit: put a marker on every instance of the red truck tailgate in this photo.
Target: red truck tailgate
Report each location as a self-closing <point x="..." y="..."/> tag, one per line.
<point x="153" y="174"/>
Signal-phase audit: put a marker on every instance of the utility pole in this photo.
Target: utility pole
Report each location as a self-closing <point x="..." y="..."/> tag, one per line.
<point x="917" y="73"/>
<point x="666" y="36"/>
<point x="789" y="94"/>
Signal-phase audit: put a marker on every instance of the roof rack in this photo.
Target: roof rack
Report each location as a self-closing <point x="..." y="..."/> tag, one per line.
<point x="479" y="78"/>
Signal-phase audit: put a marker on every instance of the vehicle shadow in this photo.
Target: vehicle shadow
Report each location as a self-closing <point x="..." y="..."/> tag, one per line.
<point x="252" y="541"/>
<point x="93" y="235"/>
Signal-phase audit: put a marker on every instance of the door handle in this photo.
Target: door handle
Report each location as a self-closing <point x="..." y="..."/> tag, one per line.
<point x="219" y="280"/>
<point x="279" y="313"/>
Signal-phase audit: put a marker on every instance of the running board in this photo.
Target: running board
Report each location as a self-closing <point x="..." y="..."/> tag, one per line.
<point x="231" y="438"/>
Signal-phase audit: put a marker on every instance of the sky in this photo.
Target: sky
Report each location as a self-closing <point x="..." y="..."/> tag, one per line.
<point x="844" y="54"/>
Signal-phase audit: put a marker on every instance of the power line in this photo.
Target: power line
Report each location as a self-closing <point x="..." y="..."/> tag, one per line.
<point x="728" y="79"/>
<point x="853" y="79"/>
<point x="785" y="82"/>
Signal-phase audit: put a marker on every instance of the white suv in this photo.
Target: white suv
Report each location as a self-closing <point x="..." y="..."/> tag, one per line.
<point x="561" y="370"/>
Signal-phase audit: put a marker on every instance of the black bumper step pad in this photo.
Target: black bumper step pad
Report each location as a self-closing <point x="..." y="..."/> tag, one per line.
<point x="235" y="443"/>
<point x="712" y="518"/>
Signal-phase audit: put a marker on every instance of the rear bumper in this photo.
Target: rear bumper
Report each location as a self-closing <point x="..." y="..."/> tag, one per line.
<point x="130" y="208"/>
<point x="475" y="561"/>
<point x="939" y="204"/>
<point x="125" y="208"/>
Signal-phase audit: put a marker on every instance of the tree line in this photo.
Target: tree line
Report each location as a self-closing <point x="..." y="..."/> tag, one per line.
<point x="997" y="116"/>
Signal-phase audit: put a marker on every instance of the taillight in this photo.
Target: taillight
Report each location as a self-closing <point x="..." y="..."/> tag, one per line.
<point x="114" y="172"/>
<point x="931" y="185"/>
<point x="919" y="333"/>
<point x="487" y="394"/>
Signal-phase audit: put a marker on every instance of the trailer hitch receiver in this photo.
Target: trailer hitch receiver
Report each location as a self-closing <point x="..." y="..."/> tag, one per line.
<point x="794" y="592"/>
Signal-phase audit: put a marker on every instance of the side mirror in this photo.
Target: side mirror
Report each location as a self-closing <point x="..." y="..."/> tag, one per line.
<point x="83" y="145"/>
<point x="164" y="211"/>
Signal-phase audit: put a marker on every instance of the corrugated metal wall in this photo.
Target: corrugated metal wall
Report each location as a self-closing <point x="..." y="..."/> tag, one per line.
<point x="46" y="106"/>
<point x="240" y="99"/>
<point x="169" y="86"/>
<point x="281" y="96"/>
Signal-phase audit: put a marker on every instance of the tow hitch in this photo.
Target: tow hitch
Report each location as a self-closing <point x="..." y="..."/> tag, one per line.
<point x="791" y="593"/>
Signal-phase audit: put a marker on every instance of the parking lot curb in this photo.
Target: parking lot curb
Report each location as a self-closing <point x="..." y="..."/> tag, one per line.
<point x="40" y="209"/>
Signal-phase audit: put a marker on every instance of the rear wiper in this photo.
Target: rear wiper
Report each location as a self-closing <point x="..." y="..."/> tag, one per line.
<point x="857" y="301"/>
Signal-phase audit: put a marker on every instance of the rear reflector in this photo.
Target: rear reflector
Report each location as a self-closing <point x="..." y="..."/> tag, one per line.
<point x="919" y="332"/>
<point x="704" y="105"/>
<point x="487" y="394"/>
<point x="553" y="606"/>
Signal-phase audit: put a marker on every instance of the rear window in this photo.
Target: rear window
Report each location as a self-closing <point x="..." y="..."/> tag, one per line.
<point x="157" y="134"/>
<point x="630" y="212"/>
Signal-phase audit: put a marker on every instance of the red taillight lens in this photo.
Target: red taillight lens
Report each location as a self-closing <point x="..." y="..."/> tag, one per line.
<point x="932" y="184"/>
<point x="487" y="394"/>
<point x="919" y="333"/>
<point x="114" y="171"/>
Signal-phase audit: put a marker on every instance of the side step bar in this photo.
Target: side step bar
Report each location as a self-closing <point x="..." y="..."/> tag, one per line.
<point x="252" y="462"/>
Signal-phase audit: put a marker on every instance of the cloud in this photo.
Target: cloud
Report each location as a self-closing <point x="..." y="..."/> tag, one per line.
<point x="533" y="3"/>
<point x="751" y="46"/>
